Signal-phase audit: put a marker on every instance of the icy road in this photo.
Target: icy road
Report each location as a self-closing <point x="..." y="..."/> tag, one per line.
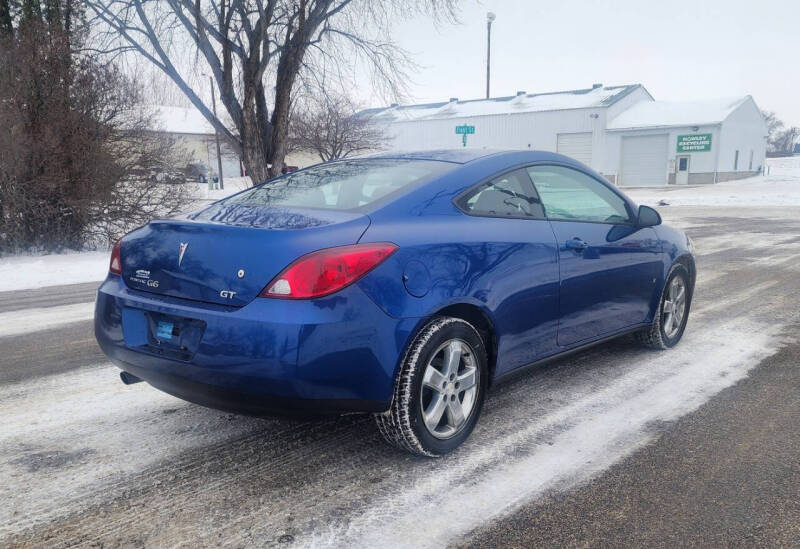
<point x="615" y="445"/>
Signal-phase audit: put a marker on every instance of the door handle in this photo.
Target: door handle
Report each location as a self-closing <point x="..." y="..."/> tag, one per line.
<point x="576" y="244"/>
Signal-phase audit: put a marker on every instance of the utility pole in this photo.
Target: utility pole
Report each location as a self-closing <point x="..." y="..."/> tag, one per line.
<point x="216" y="134"/>
<point x="489" y="18"/>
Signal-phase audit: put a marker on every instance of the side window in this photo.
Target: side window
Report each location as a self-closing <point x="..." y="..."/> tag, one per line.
<point x="510" y="195"/>
<point x="570" y="195"/>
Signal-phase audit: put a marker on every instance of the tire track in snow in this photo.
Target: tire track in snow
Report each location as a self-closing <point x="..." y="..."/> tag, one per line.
<point x="90" y="415"/>
<point x="589" y="435"/>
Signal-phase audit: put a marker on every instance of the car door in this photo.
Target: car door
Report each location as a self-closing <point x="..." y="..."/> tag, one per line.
<point x="521" y="266"/>
<point x="608" y="267"/>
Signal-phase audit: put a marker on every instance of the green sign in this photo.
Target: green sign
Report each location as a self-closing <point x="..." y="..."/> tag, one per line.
<point x="697" y="142"/>
<point x="463" y="131"/>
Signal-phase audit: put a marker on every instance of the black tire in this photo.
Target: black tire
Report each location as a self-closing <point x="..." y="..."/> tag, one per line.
<point x="655" y="336"/>
<point x="403" y="425"/>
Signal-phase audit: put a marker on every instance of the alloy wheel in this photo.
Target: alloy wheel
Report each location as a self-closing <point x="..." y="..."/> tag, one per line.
<point x="674" y="307"/>
<point x="449" y="388"/>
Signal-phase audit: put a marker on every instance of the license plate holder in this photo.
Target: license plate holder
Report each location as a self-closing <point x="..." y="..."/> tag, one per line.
<point x="172" y="336"/>
<point x="166" y="330"/>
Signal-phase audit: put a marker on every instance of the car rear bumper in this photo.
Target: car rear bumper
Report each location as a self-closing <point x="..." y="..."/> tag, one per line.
<point x="336" y="354"/>
<point x="231" y="400"/>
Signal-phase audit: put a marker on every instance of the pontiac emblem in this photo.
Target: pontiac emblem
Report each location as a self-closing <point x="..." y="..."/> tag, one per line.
<point x="182" y="251"/>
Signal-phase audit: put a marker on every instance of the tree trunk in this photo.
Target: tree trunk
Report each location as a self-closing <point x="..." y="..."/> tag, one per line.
<point x="288" y="67"/>
<point x="253" y="157"/>
<point x="254" y="150"/>
<point x="279" y="125"/>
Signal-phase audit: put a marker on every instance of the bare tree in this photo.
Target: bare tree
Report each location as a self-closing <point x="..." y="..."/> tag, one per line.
<point x="332" y="128"/>
<point x="780" y="139"/>
<point x="78" y="162"/>
<point x="784" y="142"/>
<point x="256" y="47"/>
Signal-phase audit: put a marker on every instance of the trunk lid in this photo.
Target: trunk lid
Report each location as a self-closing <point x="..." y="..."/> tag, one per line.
<point x="227" y="253"/>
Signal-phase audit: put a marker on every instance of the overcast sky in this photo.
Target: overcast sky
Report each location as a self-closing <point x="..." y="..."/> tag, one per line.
<point x="687" y="49"/>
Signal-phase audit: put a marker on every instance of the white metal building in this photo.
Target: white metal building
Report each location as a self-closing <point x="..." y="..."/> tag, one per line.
<point x="620" y="131"/>
<point x="687" y="142"/>
<point x="196" y="135"/>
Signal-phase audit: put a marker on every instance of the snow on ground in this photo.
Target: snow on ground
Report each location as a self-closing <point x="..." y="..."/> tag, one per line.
<point x="24" y="272"/>
<point x="38" y="319"/>
<point x="596" y="429"/>
<point x="769" y="190"/>
<point x="789" y="165"/>
<point x="232" y="185"/>
<point x="88" y="417"/>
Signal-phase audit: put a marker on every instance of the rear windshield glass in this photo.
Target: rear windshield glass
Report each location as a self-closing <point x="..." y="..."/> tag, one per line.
<point x="345" y="185"/>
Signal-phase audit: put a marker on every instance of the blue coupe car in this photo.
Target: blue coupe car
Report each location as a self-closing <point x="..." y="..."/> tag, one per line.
<point x="402" y="285"/>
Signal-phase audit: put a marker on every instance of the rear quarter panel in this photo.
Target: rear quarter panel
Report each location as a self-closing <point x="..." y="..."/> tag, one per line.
<point x="506" y="267"/>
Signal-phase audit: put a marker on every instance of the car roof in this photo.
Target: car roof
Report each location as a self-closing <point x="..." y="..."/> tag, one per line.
<point x="472" y="167"/>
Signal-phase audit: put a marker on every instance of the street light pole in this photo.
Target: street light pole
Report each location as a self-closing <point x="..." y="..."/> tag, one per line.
<point x="216" y="134"/>
<point x="489" y="18"/>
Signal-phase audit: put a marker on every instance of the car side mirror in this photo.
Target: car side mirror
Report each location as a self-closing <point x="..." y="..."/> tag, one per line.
<point x="648" y="217"/>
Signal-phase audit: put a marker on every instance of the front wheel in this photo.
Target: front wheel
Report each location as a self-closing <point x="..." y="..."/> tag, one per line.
<point x="672" y="314"/>
<point x="439" y="391"/>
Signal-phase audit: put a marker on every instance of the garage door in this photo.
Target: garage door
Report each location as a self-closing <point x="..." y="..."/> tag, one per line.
<point x="644" y="161"/>
<point x="577" y="146"/>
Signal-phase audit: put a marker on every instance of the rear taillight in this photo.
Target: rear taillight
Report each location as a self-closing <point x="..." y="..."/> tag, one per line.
<point x="326" y="271"/>
<point x="115" y="266"/>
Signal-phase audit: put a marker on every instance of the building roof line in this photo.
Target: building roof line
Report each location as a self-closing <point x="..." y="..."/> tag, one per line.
<point x="665" y="127"/>
<point x="676" y="114"/>
<point x="597" y="96"/>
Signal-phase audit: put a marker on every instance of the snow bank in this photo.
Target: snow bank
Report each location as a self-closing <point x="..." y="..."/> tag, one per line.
<point x="38" y="319"/>
<point x="770" y="190"/>
<point x="232" y="185"/>
<point x="789" y="165"/>
<point x="31" y="271"/>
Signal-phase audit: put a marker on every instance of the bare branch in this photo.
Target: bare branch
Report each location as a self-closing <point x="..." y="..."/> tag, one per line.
<point x="253" y="48"/>
<point x="330" y="126"/>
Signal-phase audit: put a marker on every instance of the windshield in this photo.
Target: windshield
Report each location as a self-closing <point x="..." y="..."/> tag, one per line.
<point x="345" y="185"/>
